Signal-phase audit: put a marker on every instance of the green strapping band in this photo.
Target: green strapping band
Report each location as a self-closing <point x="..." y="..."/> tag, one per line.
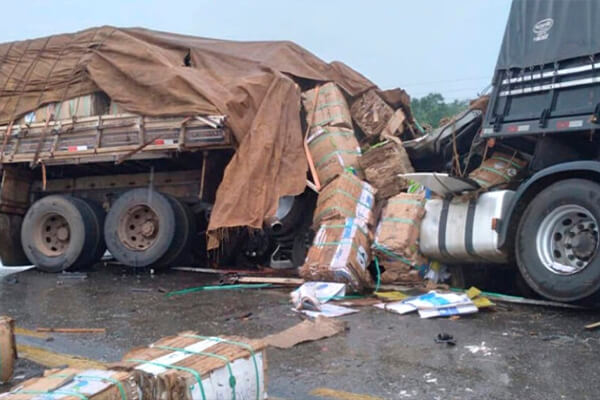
<point x="332" y="104"/>
<point x="500" y="158"/>
<point x="400" y="220"/>
<point x="329" y="134"/>
<point x="232" y="381"/>
<point x="389" y="253"/>
<point x="63" y="392"/>
<point x="239" y="344"/>
<point x="495" y="171"/>
<point x="97" y="378"/>
<point x="328" y="120"/>
<point x="326" y="157"/>
<point x="194" y="373"/>
<point x="407" y="201"/>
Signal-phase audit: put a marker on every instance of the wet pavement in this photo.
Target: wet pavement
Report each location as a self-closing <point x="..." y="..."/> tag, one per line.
<point x="513" y="352"/>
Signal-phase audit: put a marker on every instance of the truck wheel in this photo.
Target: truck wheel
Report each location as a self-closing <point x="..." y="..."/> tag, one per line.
<point x="139" y="227"/>
<point x="99" y="247"/>
<point x="57" y="233"/>
<point x="557" y="241"/>
<point x="185" y="226"/>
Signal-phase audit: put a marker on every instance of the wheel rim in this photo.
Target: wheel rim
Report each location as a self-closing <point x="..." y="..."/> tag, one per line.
<point x="53" y="235"/>
<point x="138" y="229"/>
<point x="567" y="239"/>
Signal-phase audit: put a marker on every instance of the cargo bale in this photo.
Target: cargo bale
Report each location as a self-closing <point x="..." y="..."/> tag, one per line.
<point x="331" y="109"/>
<point x="371" y="114"/>
<point x="345" y="197"/>
<point x="381" y="165"/>
<point x="340" y="253"/>
<point x="498" y="170"/>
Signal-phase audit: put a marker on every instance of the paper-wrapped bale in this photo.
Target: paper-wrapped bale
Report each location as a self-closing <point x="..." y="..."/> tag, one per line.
<point x="340" y="253"/>
<point x="77" y="384"/>
<point x="345" y="197"/>
<point x="381" y="165"/>
<point x="371" y="113"/>
<point x="189" y="366"/>
<point x="396" y="243"/>
<point x="331" y="108"/>
<point x="78" y="107"/>
<point x="8" y="348"/>
<point x="333" y="150"/>
<point x="498" y="170"/>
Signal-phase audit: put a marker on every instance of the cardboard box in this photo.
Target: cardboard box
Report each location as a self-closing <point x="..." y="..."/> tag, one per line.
<point x="340" y="253"/>
<point x="78" y="107"/>
<point x="498" y="170"/>
<point x="396" y="242"/>
<point x="371" y="114"/>
<point x="345" y="197"/>
<point x="187" y="365"/>
<point x="8" y="348"/>
<point x="334" y="150"/>
<point x="381" y="165"/>
<point x="75" y="384"/>
<point x="331" y="109"/>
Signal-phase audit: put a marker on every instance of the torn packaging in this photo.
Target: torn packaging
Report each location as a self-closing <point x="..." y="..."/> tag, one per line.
<point x="340" y="253"/>
<point x="345" y="197"/>
<point x="397" y="235"/>
<point x="76" y="384"/>
<point x="331" y="108"/>
<point x="8" y="348"/>
<point x="371" y="114"/>
<point x="381" y="165"/>
<point x="188" y="366"/>
<point x="146" y="73"/>
<point x="333" y="150"/>
<point x="498" y="170"/>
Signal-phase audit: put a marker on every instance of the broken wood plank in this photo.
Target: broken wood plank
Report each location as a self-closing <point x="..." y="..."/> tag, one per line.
<point x="274" y="280"/>
<point x="72" y="330"/>
<point x="593" y="326"/>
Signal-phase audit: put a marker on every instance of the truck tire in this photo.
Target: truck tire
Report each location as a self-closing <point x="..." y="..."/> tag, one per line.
<point x="58" y="232"/>
<point x="99" y="247"/>
<point x="139" y="227"/>
<point x="185" y="226"/>
<point x="557" y="241"/>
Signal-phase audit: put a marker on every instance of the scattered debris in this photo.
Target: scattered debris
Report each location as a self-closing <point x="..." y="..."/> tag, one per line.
<point x="272" y="280"/>
<point x="219" y="287"/>
<point x="8" y="349"/>
<point x="595" y="325"/>
<point x="433" y="304"/>
<point x="71" y="330"/>
<point x="51" y="359"/>
<point x="306" y="331"/>
<point x="480" y="349"/>
<point x="329" y="310"/>
<point x="313" y="294"/>
<point x="522" y="300"/>
<point x="445" y="338"/>
<point x="341" y="395"/>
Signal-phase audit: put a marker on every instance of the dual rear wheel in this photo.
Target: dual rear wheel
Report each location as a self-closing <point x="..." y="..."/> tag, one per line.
<point x="142" y="228"/>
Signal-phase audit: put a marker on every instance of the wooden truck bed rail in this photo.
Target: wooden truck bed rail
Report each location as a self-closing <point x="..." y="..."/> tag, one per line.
<point x="110" y="137"/>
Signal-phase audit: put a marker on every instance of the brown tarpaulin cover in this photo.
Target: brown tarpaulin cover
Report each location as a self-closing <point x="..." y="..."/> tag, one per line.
<point x="164" y="74"/>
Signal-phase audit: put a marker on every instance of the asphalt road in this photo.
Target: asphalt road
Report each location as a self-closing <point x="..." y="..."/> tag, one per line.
<point x="522" y="352"/>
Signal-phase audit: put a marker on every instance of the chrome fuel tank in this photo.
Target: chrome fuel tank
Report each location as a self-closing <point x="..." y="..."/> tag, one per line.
<point x="461" y="230"/>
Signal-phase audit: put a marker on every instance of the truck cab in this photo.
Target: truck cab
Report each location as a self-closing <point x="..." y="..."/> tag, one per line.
<point x="543" y="109"/>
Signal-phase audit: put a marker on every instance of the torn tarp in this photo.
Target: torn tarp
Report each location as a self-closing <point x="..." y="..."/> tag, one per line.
<point x="164" y="74"/>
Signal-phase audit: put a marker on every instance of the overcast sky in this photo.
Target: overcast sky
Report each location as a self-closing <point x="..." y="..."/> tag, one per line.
<point x="448" y="46"/>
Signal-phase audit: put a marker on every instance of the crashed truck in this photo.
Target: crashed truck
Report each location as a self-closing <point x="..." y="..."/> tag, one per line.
<point x="147" y="143"/>
<point x="543" y="112"/>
